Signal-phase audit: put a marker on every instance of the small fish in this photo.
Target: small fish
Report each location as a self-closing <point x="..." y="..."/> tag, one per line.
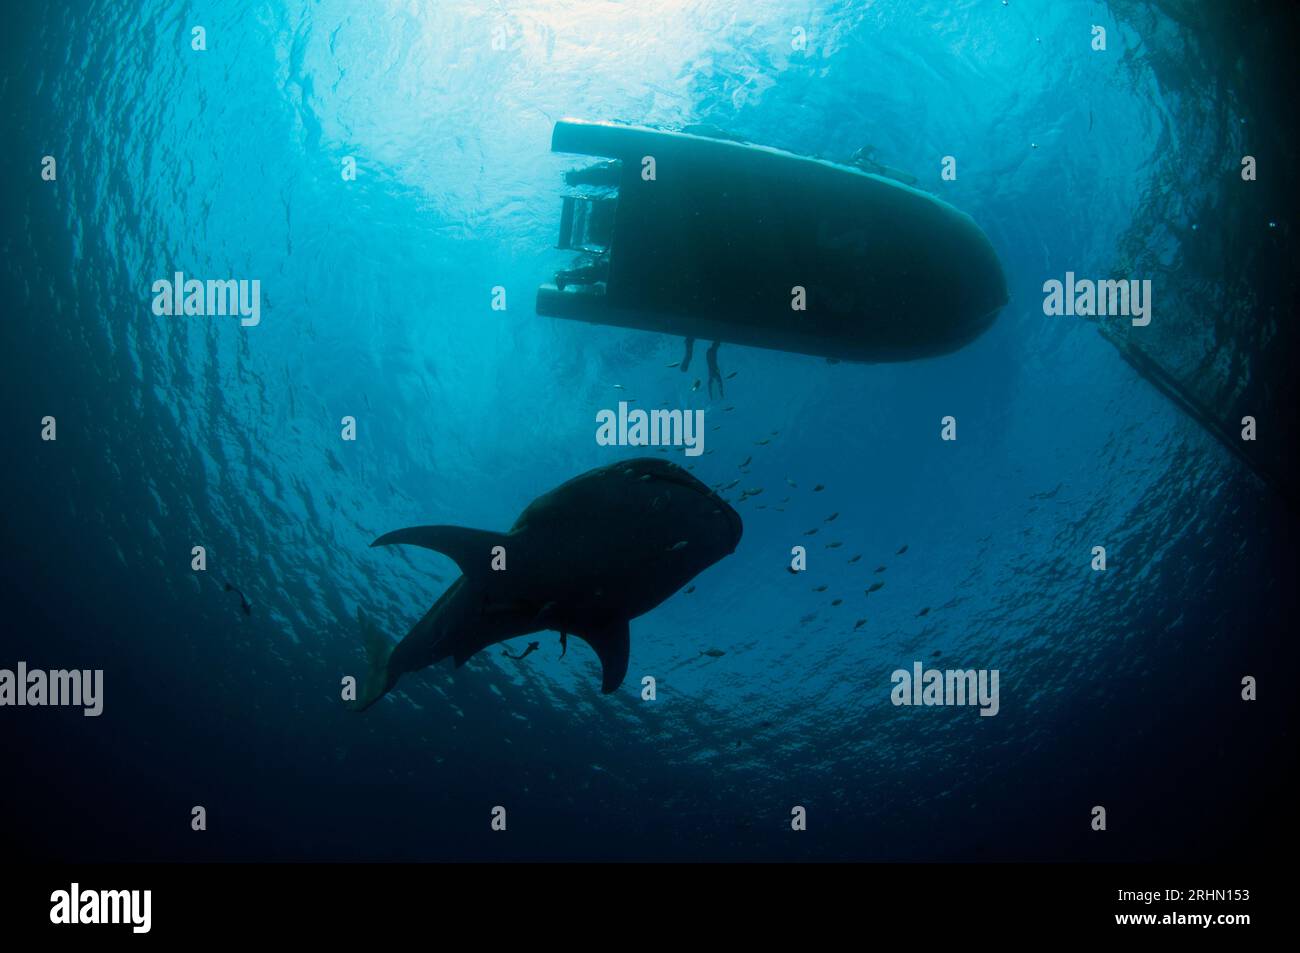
<point x="856" y="558"/>
<point x="880" y="569"/>
<point x="792" y="483"/>
<point x="923" y="612"/>
<point x="818" y="488"/>
<point x="714" y="653"/>
<point x="859" y="624"/>
<point x="727" y="410"/>
<point x="644" y="478"/>
<point x="532" y="647"/>
<point x="808" y="618"/>
<point x="791" y="570"/>
<point x="731" y="484"/>
<point x="876" y="586"/>
<point x="835" y="545"/>
<point x="901" y="551"/>
<point x="746" y="463"/>
<point x="673" y="364"/>
<point x="243" y="602"/>
<point x="836" y="602"/>
<point x="811" y="532"/>
<point x="695" y="386"/>
<point x="832" y="517"/>
<point x="754" y="492"/>
<point x="776" y="433"/>
<point x="619" y="387"/>
<point x="820" y="589"/>
<point x="732" y="374"/>
<point x="937" y="653"/>
<point x="689" y="590"/>
<point x="678" y="546"/>
<point x="762" y="443"/>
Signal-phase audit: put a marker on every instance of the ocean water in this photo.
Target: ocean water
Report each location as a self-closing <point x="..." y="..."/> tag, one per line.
<point x="1118" y="688"/>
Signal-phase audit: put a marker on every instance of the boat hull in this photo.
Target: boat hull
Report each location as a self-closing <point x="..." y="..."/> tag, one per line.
<point x="718" y="243"/>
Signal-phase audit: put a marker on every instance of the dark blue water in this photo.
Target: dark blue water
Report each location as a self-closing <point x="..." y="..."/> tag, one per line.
<point x="1118" y="688"/>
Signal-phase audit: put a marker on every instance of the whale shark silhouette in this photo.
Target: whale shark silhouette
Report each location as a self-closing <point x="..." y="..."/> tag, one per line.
<point x="583" y="559"/>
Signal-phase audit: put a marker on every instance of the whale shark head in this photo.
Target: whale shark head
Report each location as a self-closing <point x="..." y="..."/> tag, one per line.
<point x="716" y="515"/>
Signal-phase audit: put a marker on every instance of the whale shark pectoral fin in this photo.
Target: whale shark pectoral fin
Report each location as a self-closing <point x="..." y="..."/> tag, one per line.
<point x="470" y="548"/>
<point x="612" y="643"/>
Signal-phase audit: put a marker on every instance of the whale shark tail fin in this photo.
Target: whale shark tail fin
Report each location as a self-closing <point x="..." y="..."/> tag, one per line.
<point x="378" y="650"/>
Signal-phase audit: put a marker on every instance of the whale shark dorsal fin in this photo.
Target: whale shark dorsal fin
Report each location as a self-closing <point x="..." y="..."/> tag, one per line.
<point x="613" y="645"/>
<point x="470" y="548"/>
